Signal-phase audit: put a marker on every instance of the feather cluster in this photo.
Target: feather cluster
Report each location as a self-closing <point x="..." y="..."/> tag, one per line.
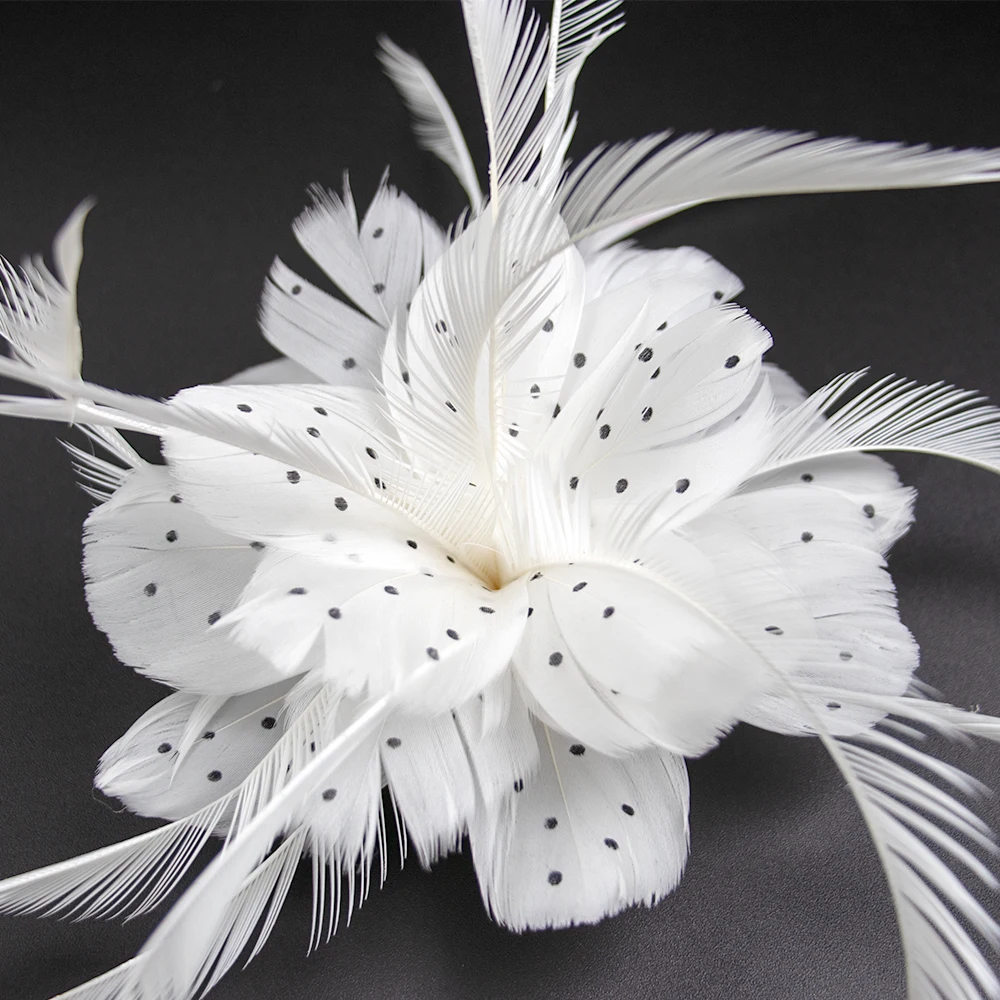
<point x="517" y="524"/>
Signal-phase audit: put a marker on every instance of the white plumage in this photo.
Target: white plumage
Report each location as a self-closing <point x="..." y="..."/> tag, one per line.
<point x="510" y="533"/>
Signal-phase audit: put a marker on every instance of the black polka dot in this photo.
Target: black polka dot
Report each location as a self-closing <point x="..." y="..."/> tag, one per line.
<point x="433" y="653"/>
<point x="717" y="295"/>
<point x="329" y="794"/>
<point x="868" y="510"/>
<point x="732" y="361"/>
<point x="340" y="503"/>
<point x="450" y="405"/>
<point x="555" y="877"/>
<point x="208" y="735"/>
<point x="451" y="633"/>
<point x="531" y="611"/>
<point x="519" y="785"/>
<point x="555" y="659"/>
<point x="656" y="374"/>
<point x="440" y="326"/>
<point x="547" y="326"/>
<point x="296" y="289"/>
<point x="806" y="536"/>
<point x="171" y="536"/>
<point x="577" y="749"/>
<point x="450" y="559"/>
<point x="349" y="363"/>
<point x="486" y="610"/>
<point x="627" y="809"/>
<point x="292" y="476"/>
<point x="551" y="823"/>
<point x="579" y="586"/>
<point x="662" y="326"/>
<point x="605" y="431"/>
<point x="214" y="775"/>
<point x="377" y="234"/>
<point x="149" y="590"/>
<point x="406" y="378"/>
<point x="599" y="412"/>
<point x="378" y="288"/>
<point x="608" y="611"/>
<point x="537" y="575"/>
<point x="298" y="591"/>
<point x="646" y="354"/>
<point x="389" y="589"/>
<point x="647" y="414"/>
<point x="334" y="612"/>
<point x="833" y="705"/>
<point x="512" y="431"/>
<point x="320" y="410"/>
<point x="534" y="390"/>
<point x="257" y="546"/>
<point x="556" y="411"/>
<point x="268" y="722"/>
<point x="774" y="630"/>
<point x="243" y="408"/>
<point x="164" y="748"/>
<point x="806" y="477"/>
<point x="312" y="432"/>
<point x="175" y="499"/>
<point x="214" y="617"/>
<point x="579" y="360"/>
<point x="611" y="843"/>
<point x="574" y="481"/>
<point x="393" y="741"/>
<point x="682" y="485"/>
<point x="621" y="486"/>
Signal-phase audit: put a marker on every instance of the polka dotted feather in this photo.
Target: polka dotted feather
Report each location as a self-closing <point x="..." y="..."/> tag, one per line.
<point x="158" y="575"/>
<point x="141" y="769"/>
<point x="586" y="836"/>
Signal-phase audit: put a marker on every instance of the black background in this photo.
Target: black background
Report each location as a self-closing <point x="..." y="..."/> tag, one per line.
<point x="198" y="128"/>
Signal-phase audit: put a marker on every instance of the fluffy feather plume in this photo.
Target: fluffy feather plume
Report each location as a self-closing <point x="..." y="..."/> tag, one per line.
<point x="514" y="527"/>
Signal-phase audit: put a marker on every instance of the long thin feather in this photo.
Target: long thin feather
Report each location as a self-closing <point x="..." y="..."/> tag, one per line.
<point x="907" y="816"/>
<point x="893" y="414"/>
<point x="134" y="876"/>
<point x="434" y="122"/>
<point x="177" y="962"/>
<point x="38" y="309"/>
<point x="617" y="189"/>
<point x="509" y="58"/>
<point x="578" y="27"/>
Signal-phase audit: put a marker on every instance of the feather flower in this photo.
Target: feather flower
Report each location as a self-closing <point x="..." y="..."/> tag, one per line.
<point x="513" y="529"/>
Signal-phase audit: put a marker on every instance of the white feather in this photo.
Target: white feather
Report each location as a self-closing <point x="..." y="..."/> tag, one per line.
<point x="893" y="414"/>
<point x="158" y="575"/>
<point x="433" y="120"/>
<point x="584" y="837"/>
<point x="904" y="812"/>
<point x="427" y="522"/>
<point x="620" y="188"/>
<point x="509" y="56"/>
<point x="178" y="959"/>
<point x="38" y="309"/>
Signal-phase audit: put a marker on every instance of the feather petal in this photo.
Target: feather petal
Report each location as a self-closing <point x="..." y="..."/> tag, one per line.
<point x="586" y="836"/>
<point x="158" y="575"/>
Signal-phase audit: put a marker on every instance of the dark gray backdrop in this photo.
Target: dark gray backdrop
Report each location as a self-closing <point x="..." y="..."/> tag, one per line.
<point x="198" y="128"/>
